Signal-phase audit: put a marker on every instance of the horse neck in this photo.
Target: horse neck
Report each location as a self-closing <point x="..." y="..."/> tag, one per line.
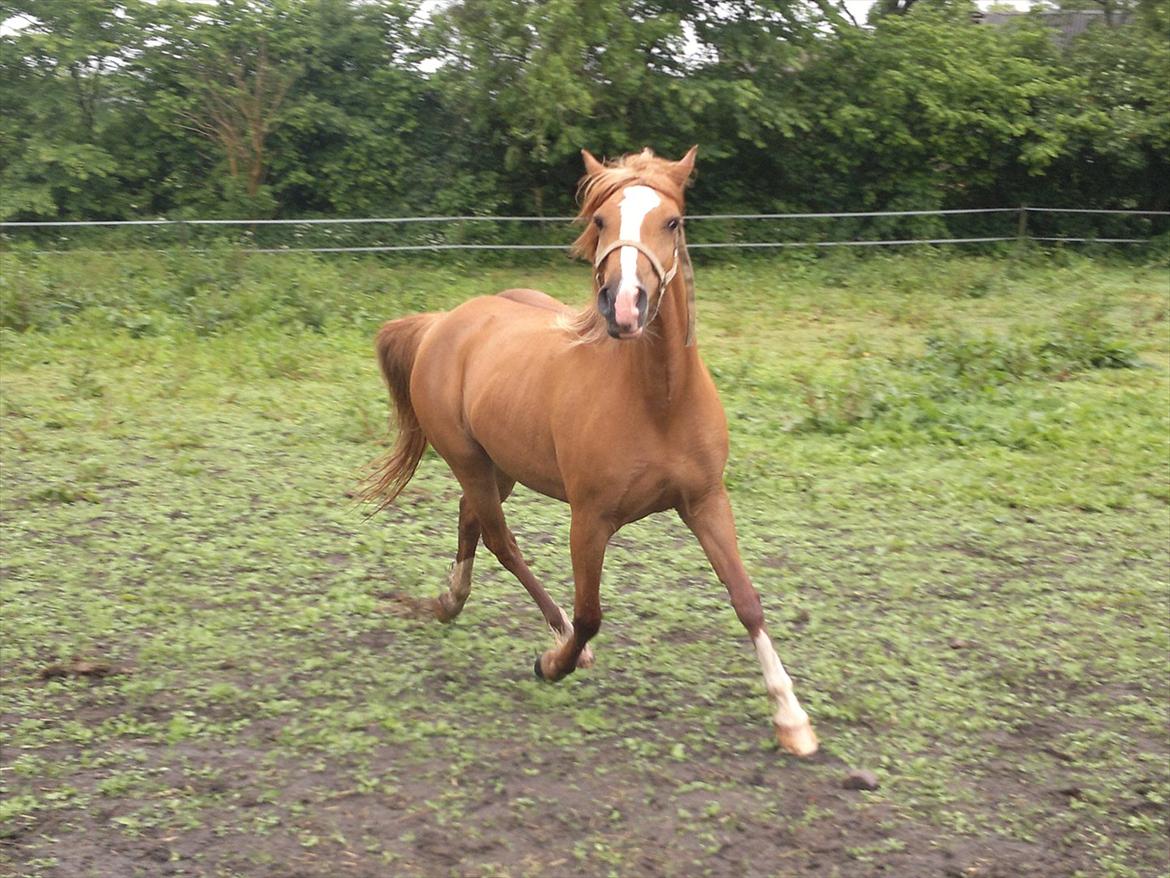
<point x="663" y="356"/>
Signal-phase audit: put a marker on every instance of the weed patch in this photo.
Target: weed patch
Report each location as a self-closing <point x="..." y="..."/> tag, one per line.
<point x="949" y="478"/>
<point x="959" y="388"/>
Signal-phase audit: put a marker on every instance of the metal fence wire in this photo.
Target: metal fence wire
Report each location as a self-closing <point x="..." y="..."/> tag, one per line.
<point x="891" y="228"/>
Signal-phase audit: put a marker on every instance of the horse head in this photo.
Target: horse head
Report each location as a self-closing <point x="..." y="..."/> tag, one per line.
<point x="634" y="237"/>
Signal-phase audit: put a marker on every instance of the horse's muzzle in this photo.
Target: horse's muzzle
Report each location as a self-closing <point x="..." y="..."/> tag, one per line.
<point x="624" y="312"/>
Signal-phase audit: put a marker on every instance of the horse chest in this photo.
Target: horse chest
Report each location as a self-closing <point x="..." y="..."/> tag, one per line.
<point x="640" y="471"/>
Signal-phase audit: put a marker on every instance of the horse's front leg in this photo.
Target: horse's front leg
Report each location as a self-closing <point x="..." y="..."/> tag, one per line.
<point x="588" y="536"/>
<point x="712" y="522"/>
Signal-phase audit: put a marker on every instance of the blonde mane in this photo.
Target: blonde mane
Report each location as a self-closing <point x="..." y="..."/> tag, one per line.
<point x="636" y="169"/>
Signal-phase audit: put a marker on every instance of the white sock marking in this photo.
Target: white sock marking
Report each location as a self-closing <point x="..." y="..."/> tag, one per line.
<point x="460" y="580"/>
<point x="788" y="712"/>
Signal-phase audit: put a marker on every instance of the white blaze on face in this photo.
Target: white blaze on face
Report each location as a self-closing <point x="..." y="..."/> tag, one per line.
<point x="637" y="201"/>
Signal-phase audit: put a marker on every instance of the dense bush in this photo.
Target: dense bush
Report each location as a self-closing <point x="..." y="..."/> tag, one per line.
<point x="125" y="108"/>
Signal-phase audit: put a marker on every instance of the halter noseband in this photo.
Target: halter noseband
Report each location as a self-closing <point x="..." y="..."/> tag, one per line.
<point x="664" y="277"/>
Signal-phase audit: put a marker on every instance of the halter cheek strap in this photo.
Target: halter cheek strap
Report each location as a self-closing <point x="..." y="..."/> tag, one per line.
<point x="664" y="276"/>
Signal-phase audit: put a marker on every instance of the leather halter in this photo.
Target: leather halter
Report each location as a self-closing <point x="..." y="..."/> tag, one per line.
<point x="664" y="276"/>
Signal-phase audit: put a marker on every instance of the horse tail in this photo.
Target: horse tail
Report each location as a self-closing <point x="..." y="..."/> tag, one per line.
<point x="397" y="346"/>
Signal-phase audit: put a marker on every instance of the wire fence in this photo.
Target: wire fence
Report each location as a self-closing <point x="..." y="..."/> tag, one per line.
<point x="892" y="228"/>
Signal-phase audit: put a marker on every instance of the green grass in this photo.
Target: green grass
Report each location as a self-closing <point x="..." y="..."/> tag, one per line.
<point x="950" y="479"/>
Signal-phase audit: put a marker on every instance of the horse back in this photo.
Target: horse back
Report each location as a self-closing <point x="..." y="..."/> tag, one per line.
<point x="535" y="298"/>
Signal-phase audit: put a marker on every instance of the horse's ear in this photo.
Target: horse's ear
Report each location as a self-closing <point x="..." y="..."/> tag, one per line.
<point x="592" y="165"/>
<point x="681" y="170"/>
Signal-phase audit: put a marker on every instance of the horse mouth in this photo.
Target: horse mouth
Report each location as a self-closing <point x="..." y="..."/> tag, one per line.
<point x="625" y="334"/>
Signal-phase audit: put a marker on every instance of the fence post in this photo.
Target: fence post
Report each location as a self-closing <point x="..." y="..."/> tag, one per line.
<point x="1022" y="224"/>
<point x="183" y="233"/>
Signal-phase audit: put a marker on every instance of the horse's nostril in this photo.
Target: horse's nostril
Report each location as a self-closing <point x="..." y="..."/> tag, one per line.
<point x="603" y="300"/>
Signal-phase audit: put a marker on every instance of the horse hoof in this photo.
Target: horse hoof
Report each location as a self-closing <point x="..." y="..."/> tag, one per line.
<point x="798" y="740"/>
<point x="536" y="669"/>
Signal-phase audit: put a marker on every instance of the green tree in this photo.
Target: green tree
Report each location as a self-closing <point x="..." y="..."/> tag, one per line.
<point x="361" y="135"/>
<point x="1118" y="152"/>
<point x="61" y="91"/>
<point x="221" y="73"/>
<point x="291" y="106"/>
<point x="114" y="108"/>
<point x="924" y="110"/>
<point x="535" y="82"/>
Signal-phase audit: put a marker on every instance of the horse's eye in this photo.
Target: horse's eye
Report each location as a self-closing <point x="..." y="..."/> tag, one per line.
<point x="599" y="222"/>
<point x="672" y="224"/>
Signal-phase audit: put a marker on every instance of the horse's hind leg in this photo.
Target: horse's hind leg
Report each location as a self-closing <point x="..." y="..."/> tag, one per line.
<point x="450" y="603"/>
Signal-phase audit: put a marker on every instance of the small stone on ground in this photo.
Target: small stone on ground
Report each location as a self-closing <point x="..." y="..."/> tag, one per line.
<point x="860" y="779"/>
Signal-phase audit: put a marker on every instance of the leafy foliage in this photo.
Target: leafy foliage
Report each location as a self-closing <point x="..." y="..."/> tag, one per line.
<point x="257" y="108"/>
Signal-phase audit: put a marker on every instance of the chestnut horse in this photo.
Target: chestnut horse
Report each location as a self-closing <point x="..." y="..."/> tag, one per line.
<point x="610" y="409"/>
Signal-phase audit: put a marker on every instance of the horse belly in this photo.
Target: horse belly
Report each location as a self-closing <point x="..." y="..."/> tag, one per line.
<point x="533" y="470"/>
<point x="507" y="416"/>
<point x="508" y="387"/>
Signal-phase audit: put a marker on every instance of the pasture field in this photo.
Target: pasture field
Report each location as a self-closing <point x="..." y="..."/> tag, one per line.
<point x="951" y="482"/>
